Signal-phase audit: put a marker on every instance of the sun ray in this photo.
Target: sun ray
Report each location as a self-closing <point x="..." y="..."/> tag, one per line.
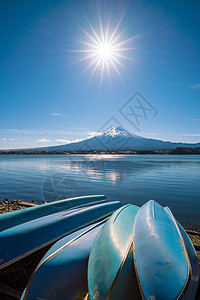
<point x="102" y="70"/>
<point x="84" y="50"/>
<point x="90" y="65"/>
<point x="101" y="28"/>
<point x="123" y="56"/>
<point x="107" y="30"/>
<point x="84" y="58"/>
<point x="96" y="35"/>
<point x="116" y="27"/>
<point x="90" y="37"/>
<point x="118" y="36"/>
<point x="108" y="69"/>
<point x="94" y="70"/>
<point x="123" y="42"/>
<point x="124" y="49"/>
<point x="114" y="66"/>
<point x="119" y="62"/>
<point x="88" y="44"/>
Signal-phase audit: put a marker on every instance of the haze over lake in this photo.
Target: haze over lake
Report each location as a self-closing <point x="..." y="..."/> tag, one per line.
<point x="171" y="180"/>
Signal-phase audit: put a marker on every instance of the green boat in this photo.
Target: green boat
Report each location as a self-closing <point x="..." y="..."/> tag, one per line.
<point x="110" y="269"/>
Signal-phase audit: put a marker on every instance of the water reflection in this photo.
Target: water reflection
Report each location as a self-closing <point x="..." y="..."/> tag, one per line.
<point x="115" y="169"/>
<point x="170" y="180"/>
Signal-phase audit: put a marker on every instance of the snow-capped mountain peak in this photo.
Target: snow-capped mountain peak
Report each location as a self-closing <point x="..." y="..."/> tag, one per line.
<point x="117" y="131"/>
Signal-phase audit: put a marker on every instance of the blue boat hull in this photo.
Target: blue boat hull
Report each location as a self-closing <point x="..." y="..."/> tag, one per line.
<point x="161" y="259"/>
<point x="24" y="239"/>
<point x="14" y="218"/>
<point x="64" y="267"/>
<point x="110" y="268"/>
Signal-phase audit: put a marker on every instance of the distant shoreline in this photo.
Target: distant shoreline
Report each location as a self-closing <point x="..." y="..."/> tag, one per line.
<point x="153" y="154"/>
<point x="80" y="153"/>
<point x="139" y="152"/>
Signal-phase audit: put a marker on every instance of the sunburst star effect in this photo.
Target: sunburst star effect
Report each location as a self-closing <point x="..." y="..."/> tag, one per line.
<point x="104" y="49"/>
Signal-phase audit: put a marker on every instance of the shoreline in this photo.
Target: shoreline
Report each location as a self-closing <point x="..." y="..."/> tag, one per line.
<point x="99" y="153"/>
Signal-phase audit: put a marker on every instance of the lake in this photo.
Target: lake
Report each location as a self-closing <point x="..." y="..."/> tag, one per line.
<point x="172" y="180"/>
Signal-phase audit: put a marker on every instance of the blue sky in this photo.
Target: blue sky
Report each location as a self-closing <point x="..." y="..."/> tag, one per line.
<point x="46" y="98"/>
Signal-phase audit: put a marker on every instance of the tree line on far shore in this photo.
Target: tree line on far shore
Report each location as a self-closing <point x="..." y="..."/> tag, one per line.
<point x="178" y="150"/>
<point x="185" y="150"/>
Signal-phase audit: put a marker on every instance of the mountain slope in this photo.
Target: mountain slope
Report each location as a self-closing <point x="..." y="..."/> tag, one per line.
<point x="114" y="139"/>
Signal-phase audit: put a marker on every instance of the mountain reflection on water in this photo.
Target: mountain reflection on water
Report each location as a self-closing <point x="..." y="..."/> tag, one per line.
<point x="171" y="180"/>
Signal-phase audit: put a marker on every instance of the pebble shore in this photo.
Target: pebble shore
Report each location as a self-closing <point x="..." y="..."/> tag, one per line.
<point x="7" y="206"/>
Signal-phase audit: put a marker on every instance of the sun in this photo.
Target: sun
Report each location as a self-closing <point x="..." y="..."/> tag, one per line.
<point x="104" y="49"/>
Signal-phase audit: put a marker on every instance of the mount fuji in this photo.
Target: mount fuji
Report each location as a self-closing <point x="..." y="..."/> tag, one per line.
<point x="116" y="139"/>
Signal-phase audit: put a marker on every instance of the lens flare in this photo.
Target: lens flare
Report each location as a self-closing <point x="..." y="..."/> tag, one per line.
<point x="104" y="49"/>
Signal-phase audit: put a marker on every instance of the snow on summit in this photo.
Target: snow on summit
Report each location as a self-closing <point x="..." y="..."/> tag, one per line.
<point x="117" y="132"/>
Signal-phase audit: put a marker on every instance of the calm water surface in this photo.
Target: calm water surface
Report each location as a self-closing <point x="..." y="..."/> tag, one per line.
<point x="170" y="180"/>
